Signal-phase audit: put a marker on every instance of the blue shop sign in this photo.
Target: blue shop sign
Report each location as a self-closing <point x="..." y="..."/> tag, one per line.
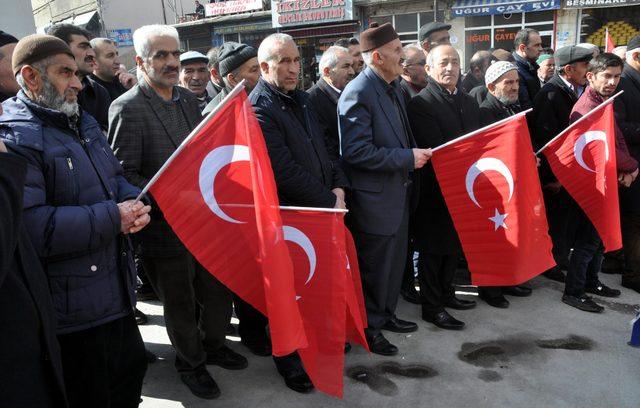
<point x="467" y="8"/>
<point x="123" y="37"/>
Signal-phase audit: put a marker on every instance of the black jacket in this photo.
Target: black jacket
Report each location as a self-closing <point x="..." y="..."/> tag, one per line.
<point x="480" y="93"/>
<point x="529" y="81"/>
<point x="627" y="108"/>
<point x="304" y="173"/>
<point x="115" y="88"/>
<point x="492" y="110"/>
<point x="325" y="103"/>
<point x="551" y="109"/>
<point x="30" y="364"/>
<point x="408" y="91"/>
<point x="95" y="100"/>
<point x="470" y="81"/>
<point x="437" y="117"/>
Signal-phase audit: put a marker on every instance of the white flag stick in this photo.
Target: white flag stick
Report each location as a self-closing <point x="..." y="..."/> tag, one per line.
<point x="235" y="91"/>
<point x="574" y="124"/>
<point x="475" y="132"/>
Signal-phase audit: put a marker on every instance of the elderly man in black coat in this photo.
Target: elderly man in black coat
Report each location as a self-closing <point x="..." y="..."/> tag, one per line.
<point x="336" y="70"/>
<point x="29" y="351"/>
<point x="551" y="109"/>
<point x="628" y="119"/>
<point x="304" y="173"/>
<point x="440" y="113"/>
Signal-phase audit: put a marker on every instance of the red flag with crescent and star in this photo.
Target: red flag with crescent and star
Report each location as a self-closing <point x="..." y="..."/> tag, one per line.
<point x="207" y="195"/>
<point x="490" y="184"/>
<point x="296" y="266"/>
<point x="583" y="159"/>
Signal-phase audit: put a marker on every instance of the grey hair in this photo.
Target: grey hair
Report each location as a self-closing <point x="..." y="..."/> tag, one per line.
<point x="142" y="37"/>
<point x="331" y="56"/>
<point x="96" y="43"/>
<point x="41" y="66"/>
<point x="266" y="46"/>
<point x="414" y="47"/>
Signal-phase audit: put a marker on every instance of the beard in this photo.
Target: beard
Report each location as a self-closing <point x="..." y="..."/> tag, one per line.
<point x="51" y="98"/>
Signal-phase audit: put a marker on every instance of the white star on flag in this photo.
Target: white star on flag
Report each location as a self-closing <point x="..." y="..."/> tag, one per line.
<point x="498" y="220"/>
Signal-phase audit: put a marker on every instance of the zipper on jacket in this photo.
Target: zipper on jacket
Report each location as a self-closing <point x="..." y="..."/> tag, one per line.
<point x="70" y="163"/>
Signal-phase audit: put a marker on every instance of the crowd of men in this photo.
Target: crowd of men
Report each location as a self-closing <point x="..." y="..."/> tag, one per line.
<point x="80" y="137"/>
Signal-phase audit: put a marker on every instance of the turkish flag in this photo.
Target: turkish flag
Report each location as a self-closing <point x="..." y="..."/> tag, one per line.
<point x="357" y="313"/>
<point x="609" y="45"/>
<point x="490" y="183"/>
<point x="219" y="196"/>
<point x="583" y="159"/>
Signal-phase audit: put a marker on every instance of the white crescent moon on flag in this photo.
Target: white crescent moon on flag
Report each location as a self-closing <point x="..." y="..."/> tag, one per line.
<point x="211" y="165"/>
<point x="583" y="141"/>
<point x="298" y="237"/>
<point x="485" y="164"/>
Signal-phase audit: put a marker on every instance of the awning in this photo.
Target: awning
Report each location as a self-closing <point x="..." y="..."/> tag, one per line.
<point x="333" y="30"/>
<point x="577" y="4"/>
<point x="465" y="8"/>
<point x="81" y="20"/>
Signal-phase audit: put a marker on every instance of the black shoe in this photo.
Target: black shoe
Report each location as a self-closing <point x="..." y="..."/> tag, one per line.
<point x="258" y="348"/>
<point x="201" y="384"/>
<point x="631" y="284"/>
<point x="411" y="295"/>
<point x="151" y="358"/>
<point x="444" y="321"/>
<point x="554" y="274"/>
<point x="603" y="290"/>
<point x="141" y="318"/>
<point x="519" y="291"/>
<point x="380" y="345"/>
<point x="399" y="326"/>
<point x="460" y="304"/>
<point x="495" y="301"/>
<point x="227" y="359"/>
<point x="583" y="302"/>
<point x="297" y="380"/>
<point x="347" y="347"/>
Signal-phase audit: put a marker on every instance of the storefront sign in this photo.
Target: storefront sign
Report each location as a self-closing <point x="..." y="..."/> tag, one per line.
<point x="231" y="7"/>
<point x="464" y="8"/>
<point x="286" y="13"/>
<point x="598" y="3"/>
<point x="122" y="37"/>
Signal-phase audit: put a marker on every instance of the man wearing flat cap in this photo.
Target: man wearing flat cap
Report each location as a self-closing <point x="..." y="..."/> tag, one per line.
<point x="433" y="34"/>
<point x="78" y="211"/>
<point x="8" y="85"/>
<point x="551" y="109"/>
<point x="235" y="62"/>
<point x="380" y="158"/>
<point x="194" y="76"/>
<point x="628" y="118"/>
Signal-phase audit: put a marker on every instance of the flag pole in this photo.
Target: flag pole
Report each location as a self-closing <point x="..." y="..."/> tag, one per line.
<point x="235" y="91"/>
<point x="475" y="132"/>
<point x="592" y="111"/>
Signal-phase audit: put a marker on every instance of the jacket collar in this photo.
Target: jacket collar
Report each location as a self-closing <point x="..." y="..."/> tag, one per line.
<point x="328" y="90"/>
<point x="560" y="83"/>
<point x="530" y="66"/>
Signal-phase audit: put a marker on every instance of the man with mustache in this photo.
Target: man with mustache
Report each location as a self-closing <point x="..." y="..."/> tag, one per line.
<point x="353" y="45"/>
<point x="603" y="75"/>
<point x="336" y="69"/>
<point x="380" y="158"/>
<point x="303" y="171"/>
<point x="414" y="79"/>
<point x="107" y="71"/>
<point x="441" y="112"/>
<point x="93" y="98"/>
<point x="78" y="211"/>
<point x="146" y="125"/>
<point x="194" y="76"/>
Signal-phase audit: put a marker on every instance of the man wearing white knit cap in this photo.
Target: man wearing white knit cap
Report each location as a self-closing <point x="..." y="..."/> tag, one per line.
<point x="502" y="83"/>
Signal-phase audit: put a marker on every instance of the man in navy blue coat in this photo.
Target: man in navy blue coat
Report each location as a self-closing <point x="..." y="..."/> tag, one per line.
<point x="380" y="156"/>
<point x="78" y="210"/>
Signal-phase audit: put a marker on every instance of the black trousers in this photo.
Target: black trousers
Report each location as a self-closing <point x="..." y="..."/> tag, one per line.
<point x="180" y="283"/>
<point x="104" y="366"/>
<point x="382" y="264"/>
<point x="436" y="280"/>
<point x="561" y="229"/>
<point x="631" y="247"/>
<point x="587" y="256"/>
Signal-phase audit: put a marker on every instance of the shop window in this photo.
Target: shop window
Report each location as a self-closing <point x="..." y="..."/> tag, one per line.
<point x="505" y="19"/>
<point x="381" y="20"/>
<point x="408" y="38"/>
<point x="406" y="23"/>
<point x="538" y="17"/>
<point x="478" y="21"/>
<point x="476" y="40"/>
<point x="231" y="37"/>
<point x="426" y="18"/>
<point x="623" y="24"/>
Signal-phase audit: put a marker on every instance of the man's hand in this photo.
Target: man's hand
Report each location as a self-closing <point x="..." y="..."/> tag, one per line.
<point x="126" y="79"/>
<point x="420" y="157"/>
<point x="133" y="217"/>
<point x="3" y="148"/>
<point x="340" y="203"/>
